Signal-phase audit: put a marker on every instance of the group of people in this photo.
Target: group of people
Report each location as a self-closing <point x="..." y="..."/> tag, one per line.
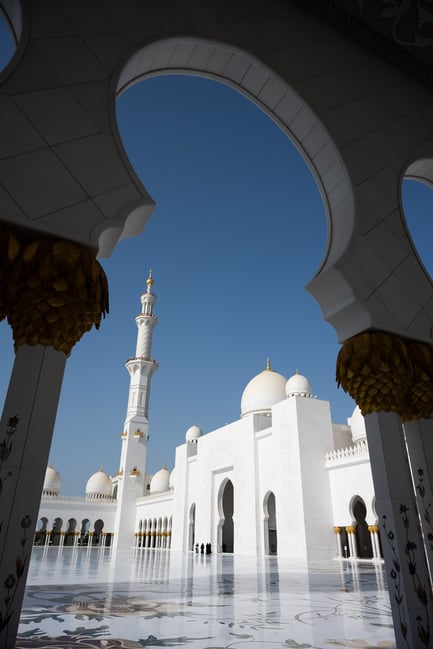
<point x="204" y="549"/>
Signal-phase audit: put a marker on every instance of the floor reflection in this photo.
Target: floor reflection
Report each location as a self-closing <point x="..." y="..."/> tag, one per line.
<point x="157" y="598"/>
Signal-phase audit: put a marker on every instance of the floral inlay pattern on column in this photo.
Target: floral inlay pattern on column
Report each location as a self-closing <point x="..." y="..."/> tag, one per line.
<point x="5" y="451"/>
<point x="410" y="551"/>
<point x="10" y="585"/>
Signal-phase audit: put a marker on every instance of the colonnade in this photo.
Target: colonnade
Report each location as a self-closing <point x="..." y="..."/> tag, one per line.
<point x="100" y="539"/>
<point x="351" y="549"/>
<point x="154" y="533"/>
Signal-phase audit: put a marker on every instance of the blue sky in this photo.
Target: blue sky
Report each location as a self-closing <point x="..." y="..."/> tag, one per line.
<point x="237" y="231"/>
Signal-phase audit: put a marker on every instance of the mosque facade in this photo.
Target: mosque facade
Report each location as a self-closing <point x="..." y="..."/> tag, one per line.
<point x="283" y="479"/>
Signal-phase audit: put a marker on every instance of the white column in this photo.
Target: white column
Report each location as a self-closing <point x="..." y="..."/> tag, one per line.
<point x="32" y="398"/>
<point x="373" y="529"/>
<point x="337" y="531"/>
<point x="352" y="542"/>
<point x="402" y="544"/>
<point x="419" y="442"/>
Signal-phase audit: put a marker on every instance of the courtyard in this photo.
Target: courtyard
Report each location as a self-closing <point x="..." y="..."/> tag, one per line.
<point x="99" y="598"/>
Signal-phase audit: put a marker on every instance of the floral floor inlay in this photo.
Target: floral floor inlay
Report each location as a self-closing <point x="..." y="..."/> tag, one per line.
<point x="155" y="598"/>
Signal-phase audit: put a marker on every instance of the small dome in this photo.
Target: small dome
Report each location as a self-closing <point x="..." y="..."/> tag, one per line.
<point x="193" y="433"/>
<point x="357" y="425"/>
<point x="262" y="392"/>
<point x="298" y="385"/>
<point x="52" y="482"/>
<point x="160" y="481"/>
<point x="172" y="477"/>
<point x="99" y="485"/>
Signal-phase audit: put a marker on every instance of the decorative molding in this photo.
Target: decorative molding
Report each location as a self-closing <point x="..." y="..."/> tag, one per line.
<point x="346" y="455"/>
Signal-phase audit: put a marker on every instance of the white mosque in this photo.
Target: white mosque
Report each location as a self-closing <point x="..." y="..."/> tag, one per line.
<point x="283" y="479"/>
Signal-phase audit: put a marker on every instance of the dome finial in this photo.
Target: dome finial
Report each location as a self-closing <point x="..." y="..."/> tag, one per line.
<point x="149" y="281"/>
<point x="268" y="363"/>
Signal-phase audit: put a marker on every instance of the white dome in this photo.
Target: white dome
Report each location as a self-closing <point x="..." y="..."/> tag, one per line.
<point x="171" y="481"/>
<point x="99" y="485"/>
<point x="193" y="433"/>
<point x="357" y="425"/>
<point x="298" y="385"/>
<point x="52" y="482"/>
<point x="262" y="392"/>
<point x="160" y="481"/>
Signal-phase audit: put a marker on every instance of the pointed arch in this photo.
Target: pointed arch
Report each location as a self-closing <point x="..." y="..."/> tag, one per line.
<point x="70" y="532"/>
<point x="56" y="531"/>
<point x="270" y="523"/>
<point x="363" y="539"/>
<point x="191" y="527"/>
<point x="41" y="532"/>
<point x="226" y="512"/>
<point x="84" y="532"/>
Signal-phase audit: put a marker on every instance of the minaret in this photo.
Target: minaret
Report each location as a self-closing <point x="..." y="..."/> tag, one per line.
<point x="130" y="478"/>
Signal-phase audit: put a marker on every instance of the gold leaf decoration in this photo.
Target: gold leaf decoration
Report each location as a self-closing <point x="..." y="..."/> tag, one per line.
<point x="62" y="291"/>
<point x="384" y="372"/>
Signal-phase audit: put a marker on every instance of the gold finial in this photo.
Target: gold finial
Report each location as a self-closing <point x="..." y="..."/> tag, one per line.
<point x="100" y="468"/>
<point x="149" y="280"/>
<point x="165" y="467"/>
<point x="297" y="371"/>
<point x="268" y="363"/>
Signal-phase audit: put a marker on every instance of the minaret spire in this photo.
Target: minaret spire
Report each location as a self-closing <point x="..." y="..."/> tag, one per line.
<point x="135" y="436"/>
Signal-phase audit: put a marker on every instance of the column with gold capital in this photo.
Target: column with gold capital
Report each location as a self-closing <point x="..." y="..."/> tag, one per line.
<point x="391" y="379"/>
<point x="51" y="292"/>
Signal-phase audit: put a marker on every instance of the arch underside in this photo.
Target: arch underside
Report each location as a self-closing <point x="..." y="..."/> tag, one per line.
<point x="356" y="137"/>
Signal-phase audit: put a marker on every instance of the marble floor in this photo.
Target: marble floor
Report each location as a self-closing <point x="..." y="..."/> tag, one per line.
<point x="79" y="598"/>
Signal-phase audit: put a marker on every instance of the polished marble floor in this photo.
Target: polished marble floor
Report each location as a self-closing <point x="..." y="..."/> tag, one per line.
<point x="92" y="599"/>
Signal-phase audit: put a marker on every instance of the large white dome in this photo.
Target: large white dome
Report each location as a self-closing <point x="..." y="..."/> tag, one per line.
<point x="262" y="392"/>
<point x="298" y="385"/>
<point x="160" y="481"/>
<point x="99" y="485"/>
<point x="52" y="482"/>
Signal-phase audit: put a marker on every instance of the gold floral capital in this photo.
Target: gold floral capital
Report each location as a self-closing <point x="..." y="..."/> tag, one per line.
<point x="350" y="529"/>
<point x="51" y="291"/>
<point x="337" y="530"/>
<point x="384" y="372"/>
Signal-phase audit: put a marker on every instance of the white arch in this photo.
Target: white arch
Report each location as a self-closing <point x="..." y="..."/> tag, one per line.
<point x="253" y="79"/>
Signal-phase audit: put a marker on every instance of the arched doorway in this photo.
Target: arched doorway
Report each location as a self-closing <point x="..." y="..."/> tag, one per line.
<point x="226" y="509"/>
<point x="270" y="523"/>
<point x="41" y="532"/>
<point x="97" y="532"/>
<point x="70" y="532"/>
<point x="56" y="531"/>
<point x="84" y="532"/>
<point x="363" y="539"/>
<point x="191" y="527"/>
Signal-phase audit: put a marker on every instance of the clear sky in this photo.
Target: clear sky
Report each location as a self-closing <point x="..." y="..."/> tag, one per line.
<point x="238" y="230"/>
